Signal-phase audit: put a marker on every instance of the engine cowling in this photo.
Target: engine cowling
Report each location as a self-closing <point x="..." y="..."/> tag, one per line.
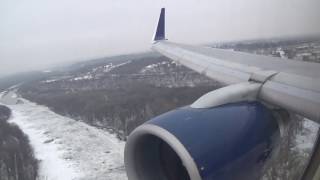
<point x="229" y="142"/>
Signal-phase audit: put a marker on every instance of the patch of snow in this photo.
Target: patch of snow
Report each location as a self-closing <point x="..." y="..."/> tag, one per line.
<point x="304" y="54"/>
<point x="176" y="63"/>
<point x="14" y="87"/>
<point x="52" y="166"/>
<point x="153" y="67"/>
<point x="8" y="98"/>
<point x="109" y="67"/>
<point x="303" y="46"/>
<point x="49" y="81"/>
<point x="95" y="69"/>
<point x="306" y="137"/>
<point x="85" y="77"/>
<point x="2" y="94"/>
<point x="69" y="149"/>
<point x="281" y="53"/>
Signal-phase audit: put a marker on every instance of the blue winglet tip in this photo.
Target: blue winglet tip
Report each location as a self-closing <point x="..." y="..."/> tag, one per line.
<point x="160" y="31"/>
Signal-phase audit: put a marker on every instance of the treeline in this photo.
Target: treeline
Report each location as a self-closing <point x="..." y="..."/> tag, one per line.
<point x="120" y="109"/>
<point x="265" y="44"/>
<point x="123" y="98"/>
<point x="17" y="161"/>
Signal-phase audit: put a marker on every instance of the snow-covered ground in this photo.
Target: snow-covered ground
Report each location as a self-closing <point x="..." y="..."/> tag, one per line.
<point x="155" y="68"/>
<point x="67" y="149"/>
<point x="110" y="66"/>
<point x="72" y="150"/>
<point x="306" y="137"/>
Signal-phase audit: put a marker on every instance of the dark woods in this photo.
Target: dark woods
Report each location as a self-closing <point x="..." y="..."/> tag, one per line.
<point x="17" y="161"/>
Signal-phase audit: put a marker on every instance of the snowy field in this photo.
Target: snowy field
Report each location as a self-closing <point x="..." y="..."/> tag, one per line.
<point x="67" y="149"/>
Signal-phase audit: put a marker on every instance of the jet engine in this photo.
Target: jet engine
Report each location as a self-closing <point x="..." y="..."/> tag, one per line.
<point x="233" y="141"/>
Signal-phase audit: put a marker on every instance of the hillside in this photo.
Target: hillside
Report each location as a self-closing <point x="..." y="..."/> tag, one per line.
<point x="119" y="93"/>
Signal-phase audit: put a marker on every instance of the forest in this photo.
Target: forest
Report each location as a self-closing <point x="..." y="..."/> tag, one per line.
<point x="17" y="161"/>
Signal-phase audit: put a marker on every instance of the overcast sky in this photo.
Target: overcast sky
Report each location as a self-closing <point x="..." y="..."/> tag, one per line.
<point x="38" y="33"/>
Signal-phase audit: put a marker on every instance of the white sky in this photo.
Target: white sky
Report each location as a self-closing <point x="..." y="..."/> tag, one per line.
<point x="38" y="33"/>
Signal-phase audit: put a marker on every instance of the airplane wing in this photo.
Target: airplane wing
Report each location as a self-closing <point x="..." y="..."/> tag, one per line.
<point x="231" y="132"/>
<point x="288" y="84"/>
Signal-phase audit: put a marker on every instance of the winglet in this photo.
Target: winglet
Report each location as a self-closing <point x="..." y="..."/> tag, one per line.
<point x="160" y="31"/>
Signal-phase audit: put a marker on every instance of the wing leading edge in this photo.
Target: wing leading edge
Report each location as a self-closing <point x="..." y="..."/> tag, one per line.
<point x="289" y="84"/>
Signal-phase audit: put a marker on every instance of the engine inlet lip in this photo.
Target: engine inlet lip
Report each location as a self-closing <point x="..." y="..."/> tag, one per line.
<point x="171" y="140"/>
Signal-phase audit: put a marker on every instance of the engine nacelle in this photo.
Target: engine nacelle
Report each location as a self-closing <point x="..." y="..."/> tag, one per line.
<point x="229" y="142"/>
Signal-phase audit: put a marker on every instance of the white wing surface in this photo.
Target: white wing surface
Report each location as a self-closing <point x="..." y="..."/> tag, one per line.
<point x="289" y="84"/>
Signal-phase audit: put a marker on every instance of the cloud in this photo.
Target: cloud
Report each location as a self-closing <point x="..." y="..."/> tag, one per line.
<point x="38" y="33"/>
